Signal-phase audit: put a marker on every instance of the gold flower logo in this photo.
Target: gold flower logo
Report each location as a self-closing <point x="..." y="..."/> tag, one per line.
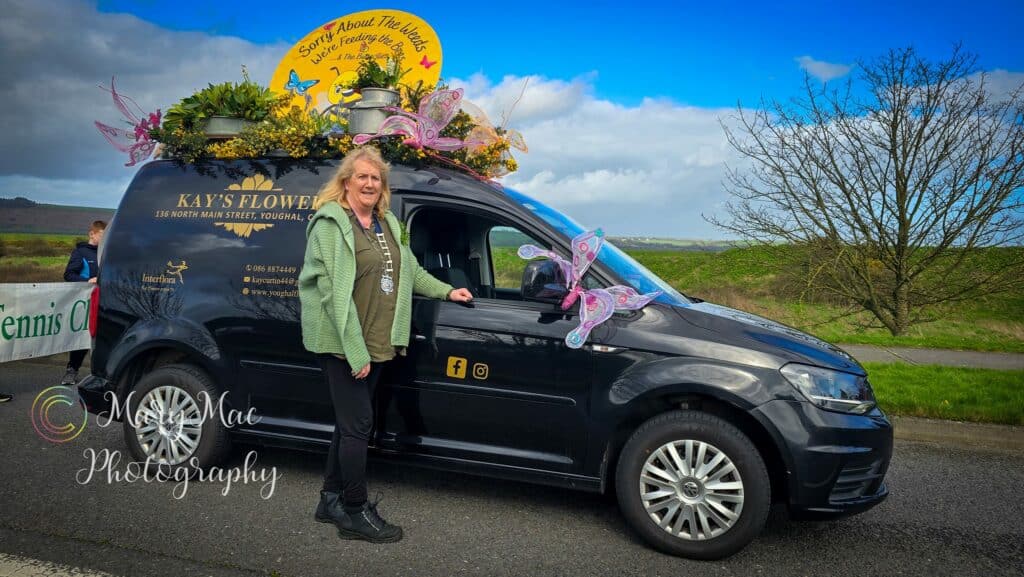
<point x="254" y="182"/>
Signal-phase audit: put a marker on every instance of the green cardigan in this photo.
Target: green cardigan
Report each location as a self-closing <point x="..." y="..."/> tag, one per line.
<point x="330" y="323"/>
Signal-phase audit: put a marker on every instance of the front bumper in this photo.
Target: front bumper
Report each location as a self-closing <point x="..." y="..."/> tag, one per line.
<point x="836" y="463"/>
<point x="97" y="394"/>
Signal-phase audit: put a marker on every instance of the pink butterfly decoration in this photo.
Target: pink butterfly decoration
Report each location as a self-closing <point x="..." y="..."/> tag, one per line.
<point x="422" y="130"/>
<point x="135" y="142"/>
<point x="597" y="305"/>
<point x="427" y="63"/>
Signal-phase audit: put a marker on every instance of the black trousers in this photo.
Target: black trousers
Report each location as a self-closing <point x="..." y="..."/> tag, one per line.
<point x="353" y="420"/>
<point x="76" y="358"/>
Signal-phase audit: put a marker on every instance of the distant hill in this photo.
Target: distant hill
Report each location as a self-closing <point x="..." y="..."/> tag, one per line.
<point x="513" y="238"/>
<point x="24" y="215"/>
<point x="650" y="243"/>
<point x="19" y="202"/>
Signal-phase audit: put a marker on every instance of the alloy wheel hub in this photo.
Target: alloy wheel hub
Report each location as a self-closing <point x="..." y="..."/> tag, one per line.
<point x="691" y="489"/>
<point x="169" y="425"/>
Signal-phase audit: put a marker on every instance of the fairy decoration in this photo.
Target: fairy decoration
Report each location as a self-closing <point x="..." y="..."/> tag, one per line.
<point x="135" y="142"/>
<point x="597" y="305"/>
<point x="485" y="135"/>
<point x="422" y="129"/>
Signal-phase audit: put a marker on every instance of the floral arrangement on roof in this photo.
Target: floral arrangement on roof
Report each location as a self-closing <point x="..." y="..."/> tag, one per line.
<point x="430" y="126"/>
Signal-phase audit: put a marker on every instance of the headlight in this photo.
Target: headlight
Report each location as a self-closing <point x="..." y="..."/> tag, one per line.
<point x="832" y="390"/>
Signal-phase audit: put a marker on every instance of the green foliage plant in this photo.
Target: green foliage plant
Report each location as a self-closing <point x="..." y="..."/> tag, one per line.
<point x="370" y="74"/>
<point x="246" y="99"/>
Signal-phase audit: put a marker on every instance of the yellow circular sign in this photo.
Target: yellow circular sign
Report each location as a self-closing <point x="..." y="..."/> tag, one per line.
<point x="317" y="68"/>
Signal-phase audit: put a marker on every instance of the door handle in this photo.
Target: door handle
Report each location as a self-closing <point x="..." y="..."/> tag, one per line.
<point x="419" y="338"/>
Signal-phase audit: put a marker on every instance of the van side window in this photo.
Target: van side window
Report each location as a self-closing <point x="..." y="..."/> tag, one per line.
<point x="442" y="242"/>
<point x="470" y="250"/>
<point x="503" y="242"/>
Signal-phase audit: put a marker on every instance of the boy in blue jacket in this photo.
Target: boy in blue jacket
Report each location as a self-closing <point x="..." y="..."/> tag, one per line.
<point x="83" y="266"/>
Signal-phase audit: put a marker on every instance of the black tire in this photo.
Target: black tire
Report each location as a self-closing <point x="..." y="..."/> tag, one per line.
<point x="212" y="438"/>
<point x="694" y="537"/>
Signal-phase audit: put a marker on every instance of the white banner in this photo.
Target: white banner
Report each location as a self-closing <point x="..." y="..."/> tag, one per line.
<point x="41" y="319"/>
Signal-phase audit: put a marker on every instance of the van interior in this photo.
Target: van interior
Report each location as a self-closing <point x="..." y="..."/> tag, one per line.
<point x="470" y="251"/>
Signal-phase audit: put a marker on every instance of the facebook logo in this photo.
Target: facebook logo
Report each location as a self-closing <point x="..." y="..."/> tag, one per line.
<point x="457" y="367"/>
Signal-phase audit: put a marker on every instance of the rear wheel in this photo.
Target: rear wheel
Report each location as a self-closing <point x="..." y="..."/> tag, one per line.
<point x="693" y="485"/>
<point x="169" y="421"/>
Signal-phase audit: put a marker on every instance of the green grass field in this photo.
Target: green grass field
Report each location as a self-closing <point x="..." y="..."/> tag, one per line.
<point x="16" y="237"/>
<point x="743" y="279"/>
<point x="28" y="257"/>
<point x="958" y="394"/>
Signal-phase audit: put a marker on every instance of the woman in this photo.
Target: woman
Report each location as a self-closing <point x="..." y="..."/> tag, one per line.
<point x="356" y="291"/>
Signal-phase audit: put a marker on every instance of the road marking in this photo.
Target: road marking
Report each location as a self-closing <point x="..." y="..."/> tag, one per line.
<point x="16" y="566"/>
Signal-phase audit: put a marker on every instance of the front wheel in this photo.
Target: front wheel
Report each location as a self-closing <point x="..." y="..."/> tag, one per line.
<point x="693" y="485"/>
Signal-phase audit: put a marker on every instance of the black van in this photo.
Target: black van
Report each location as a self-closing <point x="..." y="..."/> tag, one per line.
<point x="699" y="416"/>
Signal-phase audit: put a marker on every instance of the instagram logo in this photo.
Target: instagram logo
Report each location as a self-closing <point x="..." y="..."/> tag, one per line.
<point x="43" y="421"/>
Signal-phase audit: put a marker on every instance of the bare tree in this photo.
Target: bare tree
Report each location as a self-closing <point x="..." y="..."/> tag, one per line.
<point x="894" y="184"/>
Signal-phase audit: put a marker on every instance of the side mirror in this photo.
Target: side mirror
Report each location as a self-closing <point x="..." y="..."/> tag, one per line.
<point x="543" y="281"/>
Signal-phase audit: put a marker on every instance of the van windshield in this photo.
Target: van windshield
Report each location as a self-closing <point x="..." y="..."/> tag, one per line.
<point x="628" y="269"/>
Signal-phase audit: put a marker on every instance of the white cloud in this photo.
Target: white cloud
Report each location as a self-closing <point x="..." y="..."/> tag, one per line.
<point x="823" y="71"/>
<point x="650" y="169"/>
<point x="547" y="98"/>
<point x="1001" y="84"/>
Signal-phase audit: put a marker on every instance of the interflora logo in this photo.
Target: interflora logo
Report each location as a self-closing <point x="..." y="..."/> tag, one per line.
<point x="55" y="400"/>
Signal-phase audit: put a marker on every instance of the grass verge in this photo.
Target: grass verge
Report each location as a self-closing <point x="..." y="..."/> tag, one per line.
<point x="952" y="393"/>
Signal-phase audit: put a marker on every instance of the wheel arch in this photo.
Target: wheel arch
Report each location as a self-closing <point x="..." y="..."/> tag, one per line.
<point x="154" y="343"/>
<point x="654" y="405"/>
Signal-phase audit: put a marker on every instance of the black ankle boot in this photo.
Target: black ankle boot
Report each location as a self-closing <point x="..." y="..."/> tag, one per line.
<point x="329" y="510"/>
<point x="368" y="525"/>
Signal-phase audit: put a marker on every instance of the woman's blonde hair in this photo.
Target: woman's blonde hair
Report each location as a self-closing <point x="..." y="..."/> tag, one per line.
<point x="334" y="190"/>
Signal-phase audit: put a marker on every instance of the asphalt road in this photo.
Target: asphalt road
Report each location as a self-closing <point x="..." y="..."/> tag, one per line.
<point x="951" y="512"/>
